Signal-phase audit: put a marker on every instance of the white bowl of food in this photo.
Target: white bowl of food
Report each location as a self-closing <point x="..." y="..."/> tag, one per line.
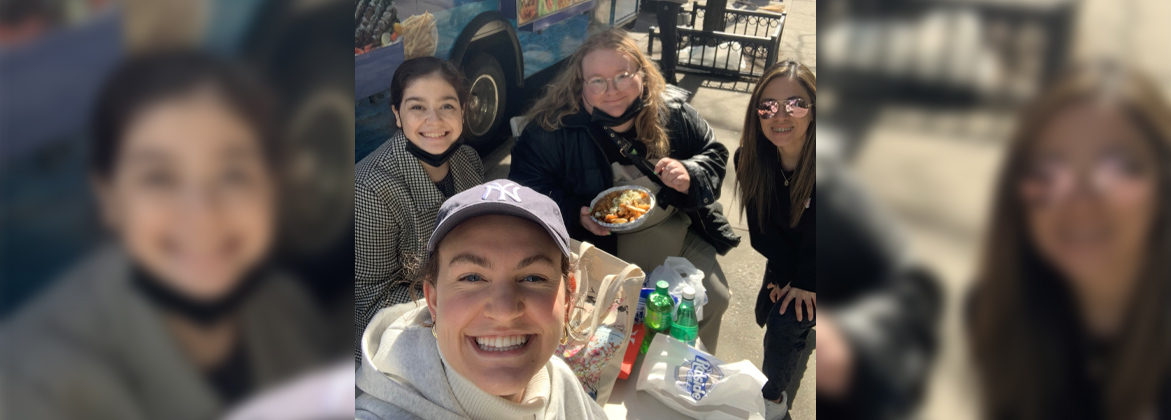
<point x="622" y="209"/>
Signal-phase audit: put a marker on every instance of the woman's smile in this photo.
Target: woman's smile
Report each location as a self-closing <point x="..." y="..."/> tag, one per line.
<point x="501" y="345"/>
<point x="499" y="301"/>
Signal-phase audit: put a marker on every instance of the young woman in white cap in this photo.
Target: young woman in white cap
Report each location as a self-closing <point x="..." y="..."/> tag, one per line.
<point x="498" y="293"/>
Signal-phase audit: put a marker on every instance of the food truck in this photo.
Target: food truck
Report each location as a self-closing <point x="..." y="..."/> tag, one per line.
<point x="498" y="44"/>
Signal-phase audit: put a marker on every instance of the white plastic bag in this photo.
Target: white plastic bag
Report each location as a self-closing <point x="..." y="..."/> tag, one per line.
<point x="721" y="56"/>
<point x="697" y="384"/>
<point x="680" y="273"/>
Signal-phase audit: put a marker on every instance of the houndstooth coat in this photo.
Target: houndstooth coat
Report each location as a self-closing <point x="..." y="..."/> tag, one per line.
<point x="395" y="205"/>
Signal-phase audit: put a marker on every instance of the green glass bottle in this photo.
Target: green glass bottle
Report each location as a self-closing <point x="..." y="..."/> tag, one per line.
<point x="685" y="327"/>
<point x="659" y="306"/>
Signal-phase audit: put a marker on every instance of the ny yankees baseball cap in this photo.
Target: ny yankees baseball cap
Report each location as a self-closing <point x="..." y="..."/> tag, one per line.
<point x="501" y="197"/>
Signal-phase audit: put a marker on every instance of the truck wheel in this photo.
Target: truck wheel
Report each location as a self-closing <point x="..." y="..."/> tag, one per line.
<point x="487" y="101"/>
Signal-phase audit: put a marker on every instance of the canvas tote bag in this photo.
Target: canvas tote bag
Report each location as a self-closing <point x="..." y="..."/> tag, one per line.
<point x="601" y="321"/>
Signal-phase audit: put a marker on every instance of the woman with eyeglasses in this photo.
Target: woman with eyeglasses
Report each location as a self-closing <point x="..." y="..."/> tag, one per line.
<point x="608" y="120"/>
<point x="775" y="177"/>
<point x="1070" y="313"/>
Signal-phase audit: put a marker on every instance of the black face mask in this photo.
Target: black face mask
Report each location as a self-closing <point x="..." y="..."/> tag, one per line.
<point x="607" y="120"/>
<point x="200" y="312"/>
<point x="430" y="158"/>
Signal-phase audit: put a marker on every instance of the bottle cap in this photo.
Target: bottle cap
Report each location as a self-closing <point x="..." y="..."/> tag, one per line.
<point x="688" y="292"/>
<point x="662" y="284"/>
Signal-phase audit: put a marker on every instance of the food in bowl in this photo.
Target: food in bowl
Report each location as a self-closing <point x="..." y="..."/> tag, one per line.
<point x="623" y="206"/>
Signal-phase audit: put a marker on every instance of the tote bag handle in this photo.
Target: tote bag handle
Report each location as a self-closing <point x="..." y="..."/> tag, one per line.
<point x="608" y="290"/>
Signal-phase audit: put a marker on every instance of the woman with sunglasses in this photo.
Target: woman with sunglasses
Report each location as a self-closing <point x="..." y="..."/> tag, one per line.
<point x="1069" y="316"/>
<point x="608" y="120"/>
<point x="775" y="182"/>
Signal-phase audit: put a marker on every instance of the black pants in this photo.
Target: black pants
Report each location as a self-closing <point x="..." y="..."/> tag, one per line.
<point x="667" y="13"/>
<point x="784" y="340"/>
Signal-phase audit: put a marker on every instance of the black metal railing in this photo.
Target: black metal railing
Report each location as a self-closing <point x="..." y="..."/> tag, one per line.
<point x="749" y="43"/>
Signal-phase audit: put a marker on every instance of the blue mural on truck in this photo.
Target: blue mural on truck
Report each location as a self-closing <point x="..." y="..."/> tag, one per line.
<point x="544" y="49"/>
<point x="388" y="32"/>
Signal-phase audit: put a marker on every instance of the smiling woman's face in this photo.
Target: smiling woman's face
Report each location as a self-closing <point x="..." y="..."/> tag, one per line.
<point x="606" y="64"/>
<point x="499" y="302"/>
<point x="430" y="115"/>
<point x="191" y="196"/>
<point x="1090" y="191"/>
<point x="783" y="130"/>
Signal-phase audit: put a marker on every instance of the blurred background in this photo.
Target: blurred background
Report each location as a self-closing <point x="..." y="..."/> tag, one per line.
<point x="55" y="56"/>
<point x="918" y="100"/>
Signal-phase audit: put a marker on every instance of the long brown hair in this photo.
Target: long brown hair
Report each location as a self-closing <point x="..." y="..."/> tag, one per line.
<point x="563" y="96"/>
<point x="759" y="158"/>
<point x="1019" y="352"/>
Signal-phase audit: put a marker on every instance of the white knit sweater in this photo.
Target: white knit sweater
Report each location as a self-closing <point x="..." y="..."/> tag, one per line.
<point x="403" y="376"/>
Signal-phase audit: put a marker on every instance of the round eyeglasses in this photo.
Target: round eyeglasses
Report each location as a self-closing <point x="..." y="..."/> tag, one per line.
<point x="622" y="81"/>
<point x="797" y="107"/>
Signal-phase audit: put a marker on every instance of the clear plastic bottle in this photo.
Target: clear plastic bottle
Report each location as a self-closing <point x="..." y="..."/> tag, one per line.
<point x="685" y="327"/>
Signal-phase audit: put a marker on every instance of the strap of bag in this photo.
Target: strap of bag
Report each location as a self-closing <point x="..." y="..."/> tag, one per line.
<point x="608" y="290"/>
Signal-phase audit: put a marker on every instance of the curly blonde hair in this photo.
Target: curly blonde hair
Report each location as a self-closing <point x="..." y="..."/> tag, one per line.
<point x="563" y="96"/>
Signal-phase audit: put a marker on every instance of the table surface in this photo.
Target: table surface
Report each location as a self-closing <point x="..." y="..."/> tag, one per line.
<point x="627" y="403"/>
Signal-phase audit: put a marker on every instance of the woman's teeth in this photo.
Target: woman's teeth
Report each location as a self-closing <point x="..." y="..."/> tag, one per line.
<point x="782" y="130"/>
<point x="502" y="343"/>
<point x="434" y="135"/>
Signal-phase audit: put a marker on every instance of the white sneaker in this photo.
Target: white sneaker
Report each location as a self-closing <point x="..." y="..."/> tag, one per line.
<point x="775" y="411"/>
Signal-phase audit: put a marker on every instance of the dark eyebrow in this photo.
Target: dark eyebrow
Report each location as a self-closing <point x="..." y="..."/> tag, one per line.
<point x="445" y="98"/>
<point x="469" y="258"/>
<point x="533" y="260"/>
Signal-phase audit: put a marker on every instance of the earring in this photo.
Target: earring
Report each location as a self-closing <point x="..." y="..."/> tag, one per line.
<point x="433" y="330"/>
<point x="565" y="334"/>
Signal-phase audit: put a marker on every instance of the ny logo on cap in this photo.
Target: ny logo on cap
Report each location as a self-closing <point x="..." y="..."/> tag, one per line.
<point x="503" y="189"/>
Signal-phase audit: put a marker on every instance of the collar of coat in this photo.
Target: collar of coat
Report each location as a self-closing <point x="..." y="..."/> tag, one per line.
<point x="402" y="162"/>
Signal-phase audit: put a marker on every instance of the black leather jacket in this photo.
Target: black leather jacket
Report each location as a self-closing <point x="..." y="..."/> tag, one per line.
<point x="569" y="166"/>
<point x="886" y="305"/>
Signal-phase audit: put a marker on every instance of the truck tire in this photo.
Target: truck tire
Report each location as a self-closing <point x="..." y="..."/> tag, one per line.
<point x="484" y="113"/>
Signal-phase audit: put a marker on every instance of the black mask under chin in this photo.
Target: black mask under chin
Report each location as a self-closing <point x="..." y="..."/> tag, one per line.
<point x="201" y="312"/>
<point x="607" y="120"/>
<point x="431" y="158"/>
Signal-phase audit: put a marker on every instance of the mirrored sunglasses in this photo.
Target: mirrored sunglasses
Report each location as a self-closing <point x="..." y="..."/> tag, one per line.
<point x="797" y="107"/>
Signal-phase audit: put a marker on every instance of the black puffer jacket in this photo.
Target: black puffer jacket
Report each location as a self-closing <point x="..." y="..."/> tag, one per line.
<point x="569" y="166"/>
